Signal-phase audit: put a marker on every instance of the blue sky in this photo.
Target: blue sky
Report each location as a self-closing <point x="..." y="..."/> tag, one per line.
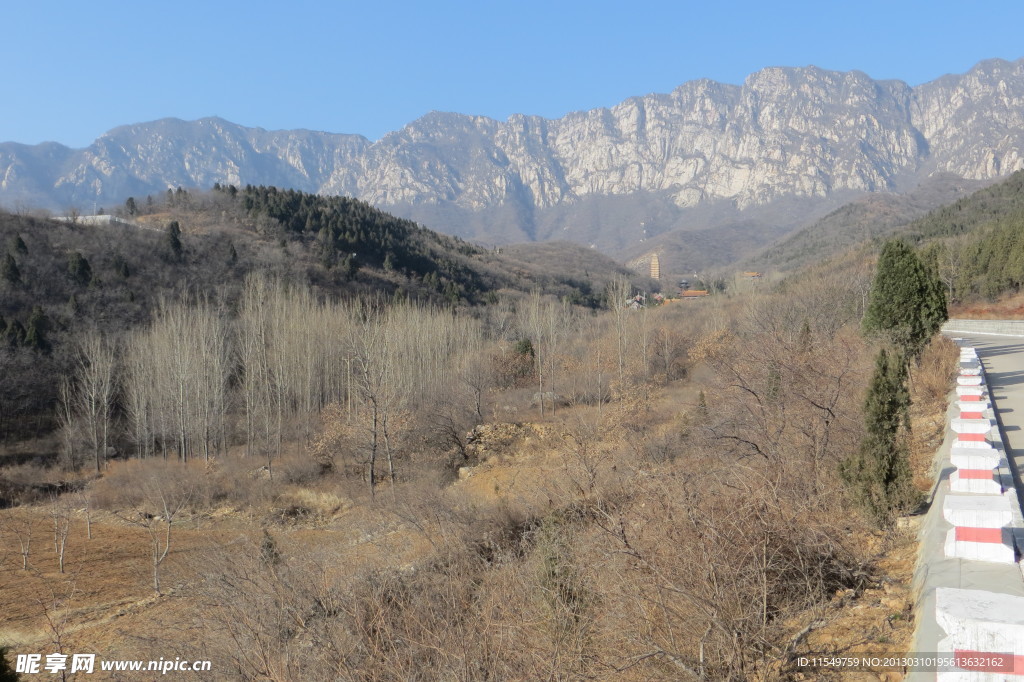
<point x="76" y="69"/>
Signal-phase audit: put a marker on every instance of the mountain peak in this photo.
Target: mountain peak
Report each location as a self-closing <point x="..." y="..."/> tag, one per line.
<point x="787" y="133"/>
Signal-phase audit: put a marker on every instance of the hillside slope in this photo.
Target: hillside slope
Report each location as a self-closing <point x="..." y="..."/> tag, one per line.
<point x="60" y="279"/>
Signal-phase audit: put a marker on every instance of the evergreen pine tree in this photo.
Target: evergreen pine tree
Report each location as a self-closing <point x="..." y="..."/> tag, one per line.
<point x="121" y="267"/>
<point x="18" y="244"/>
<point x="702" y="406"/>
<point x="35" y="334"/>
<point x="174" y="239"/>
<point x="7" y="673"/>
<point x="15" y="334"/>
<point x="879" y="473"/>
<point x="10" y="270"/>
<point x="804" y="343"/>
<point x="907" y="304"/>
<point x="79" y="268"/>
<point x="350" y="267"/>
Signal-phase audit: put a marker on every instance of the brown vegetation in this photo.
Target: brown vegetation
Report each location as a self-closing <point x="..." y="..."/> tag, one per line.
<point x="1007" y="307"/>
<point x="360" y="491"/>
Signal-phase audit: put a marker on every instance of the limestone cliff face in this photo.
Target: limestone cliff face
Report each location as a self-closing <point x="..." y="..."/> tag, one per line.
<point x="153" y="157"/>
<point x="974" y="124"/>
<point x="783" y="133"/>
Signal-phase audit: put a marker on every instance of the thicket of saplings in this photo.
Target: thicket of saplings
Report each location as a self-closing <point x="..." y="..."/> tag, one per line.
<point x="668" y="539"/>
<point x="59" y="279"/>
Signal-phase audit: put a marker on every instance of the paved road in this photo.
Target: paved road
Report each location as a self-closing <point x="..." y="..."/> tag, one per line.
<point x="1003" y="359"/>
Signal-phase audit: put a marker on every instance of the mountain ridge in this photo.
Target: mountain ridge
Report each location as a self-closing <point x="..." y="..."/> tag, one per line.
<point x="785" y="133"/>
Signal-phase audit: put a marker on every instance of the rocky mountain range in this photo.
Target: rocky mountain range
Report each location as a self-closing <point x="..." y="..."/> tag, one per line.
<point x="785" y="145"/>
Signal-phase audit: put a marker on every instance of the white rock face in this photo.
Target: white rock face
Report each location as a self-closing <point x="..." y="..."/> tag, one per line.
<point x="783" y="133"/>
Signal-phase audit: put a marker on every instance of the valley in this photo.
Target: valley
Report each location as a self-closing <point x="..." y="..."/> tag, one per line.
<point x="312" y="407"/>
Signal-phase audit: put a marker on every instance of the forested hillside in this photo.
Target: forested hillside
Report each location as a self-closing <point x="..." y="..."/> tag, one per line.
<point x="59" y="280"/>
<point x="874" y="216"/>
<point x="976" y="244"/>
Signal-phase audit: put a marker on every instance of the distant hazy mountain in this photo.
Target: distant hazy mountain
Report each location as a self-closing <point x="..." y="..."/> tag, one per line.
<point x="804" y="137"/>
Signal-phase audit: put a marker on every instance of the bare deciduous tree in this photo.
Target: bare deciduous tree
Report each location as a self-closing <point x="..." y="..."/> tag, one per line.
<point x="157" y="501"/>
<point x="61" y="511"/>
<point x="95" y="390"/>
<point x="617" y="298"/>
<point x="56" y="611"/>
<point x="545" y="322"/>
<point x="20" y="527"/>
<point x="84" y="498"/>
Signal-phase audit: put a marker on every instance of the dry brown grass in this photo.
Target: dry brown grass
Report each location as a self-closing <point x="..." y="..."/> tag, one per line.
<point x="1007" y="307"/>
<point x="880" y="618"/>
<point x="645" y="538"/>
<point x="931" y="381"/>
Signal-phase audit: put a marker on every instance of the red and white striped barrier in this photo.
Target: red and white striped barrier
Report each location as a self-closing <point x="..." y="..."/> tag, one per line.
<point x="981" y="527"/>
<point x="983" y="514"/>
<point x="974" y="425"/>
<point x="973" y="403"/>
<point x="984" y="635"/>
<point x="972" y="433"/>
<point x="984" y="630"/>
<point x="977" y="471"/>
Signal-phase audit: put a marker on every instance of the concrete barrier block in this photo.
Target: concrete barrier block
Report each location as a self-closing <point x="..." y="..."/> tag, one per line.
<point x="970" y="425"/>
<point x="980" y="528"/>
<point x="973" y="440"/>
<point x="970" y="371"/>
<point x="974" y="458"/>
<point x="968" y="380"/>
<point x="990" y="327"/>
<point x="978" y="404"/>
<point x="980" y="622"/>
<point x="981" y="472"/>
<point x="994" y="545"/>
<point x="976" y="482"/>
<point x="971" y="390"/>
<point x="971" y="511"/>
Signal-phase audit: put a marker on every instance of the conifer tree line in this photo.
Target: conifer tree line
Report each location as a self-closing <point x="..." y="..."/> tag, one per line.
<point x="351" y="233"/>
<point x="976" y="244"/>
<point x="981" y="265"/>
<point x="906" y="308"/>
